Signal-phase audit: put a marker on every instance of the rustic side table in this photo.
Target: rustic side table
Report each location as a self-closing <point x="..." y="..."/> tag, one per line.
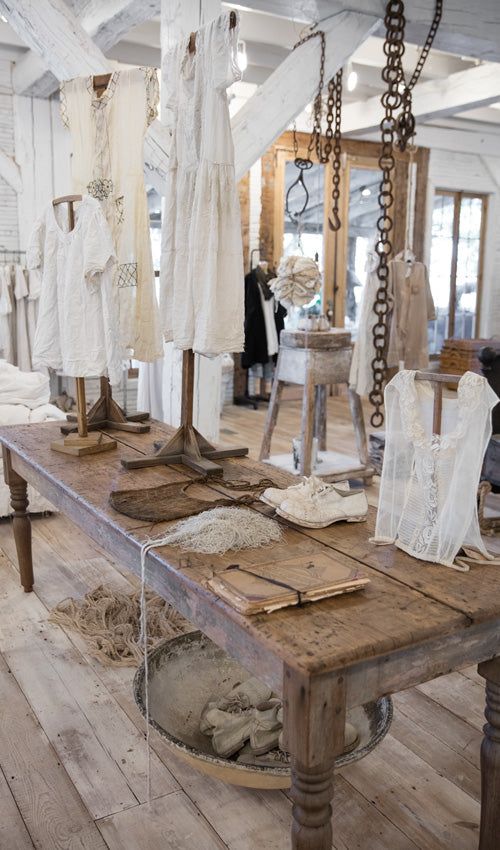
<point x="316" y="359"/>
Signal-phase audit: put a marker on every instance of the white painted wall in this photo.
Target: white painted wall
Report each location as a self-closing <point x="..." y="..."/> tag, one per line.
<point x="9" y="233"/>
<point x="473" y="173"/>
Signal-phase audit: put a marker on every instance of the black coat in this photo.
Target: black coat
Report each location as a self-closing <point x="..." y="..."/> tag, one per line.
<point x="255" y="326"/>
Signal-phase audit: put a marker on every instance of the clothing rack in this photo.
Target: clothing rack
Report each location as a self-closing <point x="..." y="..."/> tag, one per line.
<point x="16" y="258"/>
<point x="437" y="380"/>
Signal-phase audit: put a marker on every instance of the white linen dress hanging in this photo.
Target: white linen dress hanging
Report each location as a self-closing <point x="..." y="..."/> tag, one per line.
<point x="77" y="328"/>
<point x="428" y="490"/>
<point x="360" y="376"/>
<point x="107" y="136"/>
<point x="201" y="281"/>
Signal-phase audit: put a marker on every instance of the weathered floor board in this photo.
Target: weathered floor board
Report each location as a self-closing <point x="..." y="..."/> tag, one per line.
<point x="72" y="754"/>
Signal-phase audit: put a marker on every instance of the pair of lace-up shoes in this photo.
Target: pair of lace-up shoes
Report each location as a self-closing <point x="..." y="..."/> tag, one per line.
<point x="315" y="504"/>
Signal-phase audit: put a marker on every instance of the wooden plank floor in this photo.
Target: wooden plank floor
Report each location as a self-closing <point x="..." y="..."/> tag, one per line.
<point x="72" y="755"/>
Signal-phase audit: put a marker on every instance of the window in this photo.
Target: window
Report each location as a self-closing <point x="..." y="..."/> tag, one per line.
<point x="458" y="223"/>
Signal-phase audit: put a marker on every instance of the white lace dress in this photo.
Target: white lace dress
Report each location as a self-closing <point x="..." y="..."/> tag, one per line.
<point x="428" y="491"/>
<point x="201" y="282"/>
<point x="107" y="135"/>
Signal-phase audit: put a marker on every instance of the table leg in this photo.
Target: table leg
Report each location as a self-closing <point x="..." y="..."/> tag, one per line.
<point x="20" y="520"/>
<point x="490" y="758"/>
<point x="314" y="734"/>
<point x="271" y="417"/>
<point x="320" y="416"/>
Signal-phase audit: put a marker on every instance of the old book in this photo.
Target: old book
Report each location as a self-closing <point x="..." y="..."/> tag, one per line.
<point x="256" y="588"/>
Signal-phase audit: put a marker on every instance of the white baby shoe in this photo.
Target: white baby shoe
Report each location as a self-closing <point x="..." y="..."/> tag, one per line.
<point x="307" y="488"/>
<point x="329" y="505"/>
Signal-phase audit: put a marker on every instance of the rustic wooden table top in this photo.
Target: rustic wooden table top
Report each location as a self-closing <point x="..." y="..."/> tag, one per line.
<point x="408" y="606"/>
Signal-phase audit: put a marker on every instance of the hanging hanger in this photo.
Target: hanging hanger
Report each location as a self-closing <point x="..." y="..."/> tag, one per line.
<point x="192" y="37"/>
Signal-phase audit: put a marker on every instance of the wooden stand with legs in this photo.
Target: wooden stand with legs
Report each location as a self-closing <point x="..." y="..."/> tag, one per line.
<point x="81" y="443"/>
<point x="187" y="446"/>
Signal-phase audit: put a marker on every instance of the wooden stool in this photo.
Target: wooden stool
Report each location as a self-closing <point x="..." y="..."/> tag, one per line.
<point x="316" y="359"/>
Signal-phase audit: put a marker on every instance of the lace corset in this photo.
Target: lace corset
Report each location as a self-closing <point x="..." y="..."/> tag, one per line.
<point x="427" y="502"/>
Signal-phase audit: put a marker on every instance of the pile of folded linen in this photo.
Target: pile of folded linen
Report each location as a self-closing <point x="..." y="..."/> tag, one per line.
<point x="24" y="399"/>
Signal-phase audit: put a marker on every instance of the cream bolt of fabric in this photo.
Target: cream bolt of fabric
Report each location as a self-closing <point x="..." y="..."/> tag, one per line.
<point x="201" y="282"/>
<point x="77" y="327"/>
<point x="428" y="490"/>
<point x="107" y="135"/>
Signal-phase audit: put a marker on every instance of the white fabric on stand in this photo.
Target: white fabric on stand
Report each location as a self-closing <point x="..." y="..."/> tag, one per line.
<point x="268" y="309"/>
<point x="107" y="135"/>
<point x="201" y="282"/>
<point x="428" y="490"/>
<point x="360" y="376"/>
<point x="30" y="389"/>
<point x="77" y="329"/>
<point x="23" y="354"/>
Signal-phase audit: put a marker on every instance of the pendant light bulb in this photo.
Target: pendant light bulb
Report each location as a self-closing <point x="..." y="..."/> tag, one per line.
<point x="352" y="78"/>
<point x="242" y="57"/>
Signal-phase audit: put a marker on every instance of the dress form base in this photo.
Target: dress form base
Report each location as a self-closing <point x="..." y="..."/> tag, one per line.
<point x="81" y="446"/>
<point x="106" y="414"/>
<point x="187" y="446"/>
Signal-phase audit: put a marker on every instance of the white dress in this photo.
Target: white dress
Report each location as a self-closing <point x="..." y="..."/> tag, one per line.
<point x="77" y="328"/>
<point x="201" y="282"/>
<point x="428" y="490"/>
<point x="107" y="136"/>
<point x="361" y="375"/>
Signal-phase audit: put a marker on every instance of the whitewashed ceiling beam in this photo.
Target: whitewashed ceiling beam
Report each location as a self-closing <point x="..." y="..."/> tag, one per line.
<point x="446" y="138"/>
<point x="292" y="85"/>
<point x="479" y="86"/>
<point x="467" y="28"/>
<point x="104" y="22"/>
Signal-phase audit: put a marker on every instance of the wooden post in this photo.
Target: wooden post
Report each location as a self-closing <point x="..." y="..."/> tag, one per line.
<point x="187" y="400"/>
<point x="315" y="711"/>
<point x="490" y="758"/>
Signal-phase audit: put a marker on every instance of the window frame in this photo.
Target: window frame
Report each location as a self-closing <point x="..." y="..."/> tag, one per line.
<point x="458" y="196"/>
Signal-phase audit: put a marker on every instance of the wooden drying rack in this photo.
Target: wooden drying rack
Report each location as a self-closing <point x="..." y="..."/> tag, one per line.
<point x="188" y="446"/>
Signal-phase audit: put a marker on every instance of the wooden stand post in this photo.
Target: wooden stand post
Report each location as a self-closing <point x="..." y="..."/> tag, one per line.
<point x="80" y="443"/>
<point x="187" y="446"/>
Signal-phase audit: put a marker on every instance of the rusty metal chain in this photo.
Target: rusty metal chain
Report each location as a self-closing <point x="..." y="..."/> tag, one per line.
<point x="322" y="146"/>
<point x="396" y="131"/>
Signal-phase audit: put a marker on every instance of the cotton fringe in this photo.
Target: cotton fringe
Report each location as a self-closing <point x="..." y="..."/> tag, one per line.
<point x="110" y="622"/>
<point x="221" y="530"/>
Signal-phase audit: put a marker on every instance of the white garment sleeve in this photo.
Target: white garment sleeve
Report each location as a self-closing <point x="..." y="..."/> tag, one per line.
<point x="225" y="69"/>
<point x="398" y="462"/>
<point x="98" y="250"/>
<point x="34" y="254"/>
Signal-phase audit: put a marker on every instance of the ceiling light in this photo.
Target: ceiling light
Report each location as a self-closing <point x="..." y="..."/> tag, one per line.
<point x="366" y="191"/>
<point x="352" y="78"/>
<point x="242" y="56"/>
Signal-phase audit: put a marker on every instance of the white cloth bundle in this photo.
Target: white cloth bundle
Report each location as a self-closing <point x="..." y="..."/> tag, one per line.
<point x="297" y="282"/>
<point x="17" y="387"/>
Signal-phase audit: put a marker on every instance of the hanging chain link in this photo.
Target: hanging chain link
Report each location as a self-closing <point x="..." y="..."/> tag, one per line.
<point x="396" y="131"/>
<point x="322" y="146"/>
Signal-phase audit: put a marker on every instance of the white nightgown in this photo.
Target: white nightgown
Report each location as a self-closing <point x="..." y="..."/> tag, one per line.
<point x="107" y="136"/>
<point x="77" y="327"/>
<point x="201" y="281"/>
<point x="428" y="490"/>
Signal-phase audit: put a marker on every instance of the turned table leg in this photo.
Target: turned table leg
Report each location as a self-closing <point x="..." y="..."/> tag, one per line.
<point x="20" y="520"/>
<point x="314" y="735"/>
<point x="489" y="835"/>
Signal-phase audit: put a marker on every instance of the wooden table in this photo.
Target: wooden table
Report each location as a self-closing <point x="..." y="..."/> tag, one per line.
<point x="414" y="621"/>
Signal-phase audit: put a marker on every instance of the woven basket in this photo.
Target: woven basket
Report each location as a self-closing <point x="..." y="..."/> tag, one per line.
<point x="461" y="355"/>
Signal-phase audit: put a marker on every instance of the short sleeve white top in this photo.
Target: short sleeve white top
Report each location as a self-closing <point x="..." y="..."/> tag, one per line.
<point x="77" y="327"/>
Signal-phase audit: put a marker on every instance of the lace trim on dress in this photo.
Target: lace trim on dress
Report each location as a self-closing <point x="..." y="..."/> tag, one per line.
<point x="468" y="397"/>
<point x="102" y="101"/>
<point x="126" y="275"/>
<point x="152" y="93"/>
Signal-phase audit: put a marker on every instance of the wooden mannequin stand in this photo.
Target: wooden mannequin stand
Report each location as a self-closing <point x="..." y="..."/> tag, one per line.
<point x="187" y="446"/>
<point x="81" y="443"/>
